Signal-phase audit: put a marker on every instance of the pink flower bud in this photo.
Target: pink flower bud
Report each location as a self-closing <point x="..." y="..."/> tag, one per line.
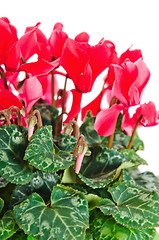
<point x="79" y="162"/>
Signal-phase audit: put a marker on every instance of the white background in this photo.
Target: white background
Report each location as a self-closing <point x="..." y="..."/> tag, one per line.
<point x="122" y="21"/>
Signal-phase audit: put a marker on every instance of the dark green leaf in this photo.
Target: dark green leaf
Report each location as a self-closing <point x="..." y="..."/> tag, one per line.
<point x="66" y="218"/>
<point x="42" y="183"/>
<point x="19" y="235"/>
<point x="106" y="228"/>
<point x="13" y="142"/>
<point x="8" y="225"/>
<point x="41" y="153"/>
<point x="147" y="180"/>
<point x="134" y="207"/>
<point x="103" y="167"/>
<point x="133" y="156"/>
<point x="91" y="136"/>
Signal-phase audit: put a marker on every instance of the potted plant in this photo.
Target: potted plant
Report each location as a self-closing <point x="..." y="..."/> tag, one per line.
<point x="60" y="179"/>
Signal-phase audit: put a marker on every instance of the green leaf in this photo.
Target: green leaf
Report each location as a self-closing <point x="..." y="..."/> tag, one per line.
<point x="147" y="180"/>
<point x="66" y="218"/>
<point x="102" y="167"/>
<point x="41" y="153"/>
<point x="91" y="136"/>
<point x="42" y="183"/>
<point x="66" y="142"/>
<point x="1" y="204"/>
<point x="30" y="238"/>
<point x="156" y="236"/>
<point x="8" y="225"/>
<point x="134" y="207"/>
<point x="106" y="228"/>
<point x="133" y="156"/>
<point x="93" y="200"/>
<point x="13" y="142"/>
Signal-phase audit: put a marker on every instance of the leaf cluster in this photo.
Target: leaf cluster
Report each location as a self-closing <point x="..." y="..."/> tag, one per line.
<point x="42" y="198"/>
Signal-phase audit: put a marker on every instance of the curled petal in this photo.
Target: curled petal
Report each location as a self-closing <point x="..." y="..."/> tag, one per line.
<point x="57" y="40"/>
<point x="106" y="119"/>
<point x="150" y="115"/>
<point x="28" y="43"/>
<point x="133" y="55"/>
<point x="32" y="92"/>
<point x="142" y="77"/>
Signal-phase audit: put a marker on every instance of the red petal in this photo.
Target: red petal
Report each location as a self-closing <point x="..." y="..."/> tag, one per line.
<point x="28" y="43"/>
<point x="93" y="106"/>
<point x="41" y="67"/>
<point x="143" y="76"/>
<point x="8" y="99"/>
<point x="57" y="40"/>
<point x="133" y="55"/>
<point x="74" y="60"/>
<point x="99" y="58"/>
<point x="125" y="76"/>
<point x="76" y="105"/>
<point x="82" y="37"/>
<point x="12" y="60"/>
<point x="32" y="92"/>
<point x="150" y="115"/>
<point x="105" y="122"/>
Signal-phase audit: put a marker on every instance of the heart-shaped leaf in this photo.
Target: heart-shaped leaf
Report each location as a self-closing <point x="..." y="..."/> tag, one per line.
<point x="102" y="167"/>
<point x="65" y="218"/>
<point x="8" y="226"/>
<point x="105" y="227"/>
<point x="41" y="153"/>
<point x="134" y="206"/>
<point x="13" y="142"/>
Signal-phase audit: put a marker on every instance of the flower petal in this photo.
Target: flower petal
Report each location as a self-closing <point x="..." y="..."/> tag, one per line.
<point x="105" y="122"/>
<point x="76" y="106"/>
<point x="32" y="92"/>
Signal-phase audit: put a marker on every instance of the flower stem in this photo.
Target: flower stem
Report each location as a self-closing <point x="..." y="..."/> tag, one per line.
<point x="4" y="77"/>
<point x="75" y="128"/>
<point x="38" y="116"/>
<point x="59" y="124"/>
<point x="53" y="88"/>
<point x="64" y="94"/>
<point x="3" y="112"/>
<point x="134" y="133"/>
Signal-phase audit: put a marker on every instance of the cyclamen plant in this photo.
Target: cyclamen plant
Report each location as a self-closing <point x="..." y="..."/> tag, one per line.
<point x="59" y="180"/>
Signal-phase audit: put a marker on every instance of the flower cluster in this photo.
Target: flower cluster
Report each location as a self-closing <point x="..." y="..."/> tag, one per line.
<point x="123" y="85"/>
